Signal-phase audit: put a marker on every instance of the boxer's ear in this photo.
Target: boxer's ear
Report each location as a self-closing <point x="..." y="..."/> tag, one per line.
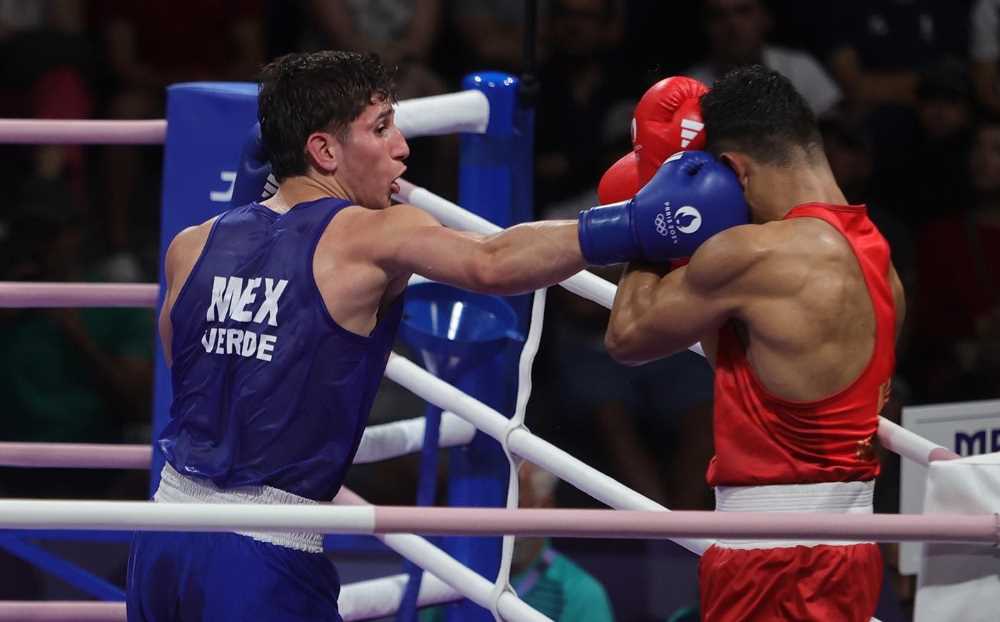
<point x="739" y="165"/>
<point x="321" y="150"/>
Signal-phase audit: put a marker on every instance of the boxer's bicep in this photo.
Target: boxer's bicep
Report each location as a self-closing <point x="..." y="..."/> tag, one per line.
<point x="675" y="316"/>
<point x="653" y="318"/>
<point x="414" y="242"/>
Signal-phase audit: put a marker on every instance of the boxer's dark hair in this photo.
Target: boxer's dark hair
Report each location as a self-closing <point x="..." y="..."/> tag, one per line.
<point x="320" y="91"/>
<point x="756" y="110"/>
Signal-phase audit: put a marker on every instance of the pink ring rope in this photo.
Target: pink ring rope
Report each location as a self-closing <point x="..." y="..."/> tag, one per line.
<point x="61" y="611"/>
<point x="381" y="520"/>
<point x="82" y="132"/>
<point x="75" y="455"/>
<point x="24" y="294"/>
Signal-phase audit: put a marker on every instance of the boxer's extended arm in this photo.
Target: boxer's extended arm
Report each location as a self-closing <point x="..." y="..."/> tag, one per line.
<point x="654" y="316"/>
<point x="517" y="260"/>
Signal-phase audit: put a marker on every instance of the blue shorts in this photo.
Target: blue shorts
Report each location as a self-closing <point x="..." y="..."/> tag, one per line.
<point x="227" y="576"/>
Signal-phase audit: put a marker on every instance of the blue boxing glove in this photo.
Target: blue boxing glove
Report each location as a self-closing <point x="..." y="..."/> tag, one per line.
<point x="692" y="197"/>
<point x="254" y="181"/>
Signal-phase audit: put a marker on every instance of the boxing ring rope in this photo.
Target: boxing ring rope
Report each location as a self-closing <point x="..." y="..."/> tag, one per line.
<point x="903" y="442"/>
<point x="21" y="295"/>
<point x="438" y="563"/>
<point x="82" y="132"/>
<point x="362" y="600"/>
<point x="379" y="442"/>
<point x="386" y="520"/>
<point x="466" y="111"/>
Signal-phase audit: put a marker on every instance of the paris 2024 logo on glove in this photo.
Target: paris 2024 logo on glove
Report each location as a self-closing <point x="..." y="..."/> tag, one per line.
<point x="686" y="219"/>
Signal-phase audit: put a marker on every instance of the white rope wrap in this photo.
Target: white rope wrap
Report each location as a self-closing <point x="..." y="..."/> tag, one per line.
<point x="465" y="111"/>
<point x="452" y="572"/>
<point x="376" y="598"/>
<point x="362" y="600"/>
<point x="399" y="438"/>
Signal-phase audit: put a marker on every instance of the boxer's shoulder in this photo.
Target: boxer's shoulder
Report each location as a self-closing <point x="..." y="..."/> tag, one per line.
<point x="729" y="256"/>
<point x="187" y="245"/>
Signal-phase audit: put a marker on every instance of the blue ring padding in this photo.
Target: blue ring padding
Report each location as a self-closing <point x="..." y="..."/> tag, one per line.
<point x="489" y="150"/>
<point x="67" y="571"/>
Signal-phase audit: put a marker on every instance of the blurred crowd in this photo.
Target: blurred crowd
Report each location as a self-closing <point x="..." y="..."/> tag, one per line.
<point x="908" y="93"/>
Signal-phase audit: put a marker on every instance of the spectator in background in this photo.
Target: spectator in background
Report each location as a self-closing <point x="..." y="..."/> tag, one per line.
<point x="944" y="110"/>
<point x="544" y="578"/>
<point x="984" y="52"/>
<point x="848" y="147"/>
<point x="883" y="44"/>
<point x="401" y="32"/>
<point x="45" y="63"/>
<point x="493" y="33"/>
<point x="737" y="33"/>
<point x="150" y="45"/>
<point x="580" y="90"/>
<point x="957" y="319"/>
<point x="66" y="375"/>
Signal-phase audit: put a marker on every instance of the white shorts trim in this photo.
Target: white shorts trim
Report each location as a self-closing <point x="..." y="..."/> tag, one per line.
<point x="836" y="497"/>
<point x="177" y="488"/>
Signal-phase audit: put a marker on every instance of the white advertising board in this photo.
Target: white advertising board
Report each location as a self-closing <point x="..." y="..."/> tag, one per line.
<point x="967" y="428"/>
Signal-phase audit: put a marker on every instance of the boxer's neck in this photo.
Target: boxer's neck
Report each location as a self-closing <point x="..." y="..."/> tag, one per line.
<point x="305" y="188"/>
<point x="774" y="190"/>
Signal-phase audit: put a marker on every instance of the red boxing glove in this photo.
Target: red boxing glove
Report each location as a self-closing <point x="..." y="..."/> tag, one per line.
<point x="667" y="120"/>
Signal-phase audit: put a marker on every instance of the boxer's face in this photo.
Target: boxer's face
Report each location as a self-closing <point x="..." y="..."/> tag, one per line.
<point x="370" y="156"/>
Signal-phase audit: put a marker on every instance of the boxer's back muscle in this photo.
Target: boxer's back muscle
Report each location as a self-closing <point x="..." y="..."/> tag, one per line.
<point x="810" y="332"/>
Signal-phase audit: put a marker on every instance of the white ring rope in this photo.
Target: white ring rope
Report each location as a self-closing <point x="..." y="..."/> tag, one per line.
<point x="899" y="440"/>
<point x="377" y="598"/>
<point x="523" y="443"/>
<point x="379" y="442"/>
<point x="362" y="600"/>
<point x="399" y="438"/>
<point x="464" y="111"/>
<point x="446" y="568"/>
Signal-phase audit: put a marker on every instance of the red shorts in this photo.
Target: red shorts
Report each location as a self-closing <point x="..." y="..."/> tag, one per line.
<point x="822" y="583"/>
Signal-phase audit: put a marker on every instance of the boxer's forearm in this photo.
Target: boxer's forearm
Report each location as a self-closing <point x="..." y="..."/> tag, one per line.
<point x="532" y="255"/>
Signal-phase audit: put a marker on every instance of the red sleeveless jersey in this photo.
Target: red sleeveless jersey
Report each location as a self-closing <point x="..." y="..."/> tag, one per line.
<point x="762" y="439"/>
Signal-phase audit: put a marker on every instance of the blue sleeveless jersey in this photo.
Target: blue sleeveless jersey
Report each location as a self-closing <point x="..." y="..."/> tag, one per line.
<point x="268" y="389"/>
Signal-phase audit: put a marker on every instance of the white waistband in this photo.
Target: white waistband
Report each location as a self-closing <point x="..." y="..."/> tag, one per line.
<point x="837" y="497"/>
<point x="177" y="488"/>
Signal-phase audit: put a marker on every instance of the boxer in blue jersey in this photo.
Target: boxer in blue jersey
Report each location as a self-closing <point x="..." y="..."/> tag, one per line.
<point x="277" y="323"/>
<point x="278" y="320"/>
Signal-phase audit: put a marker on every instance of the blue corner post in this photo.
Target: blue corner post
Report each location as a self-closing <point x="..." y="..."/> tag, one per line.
<point x="496" y="182"/>
<point x="207" y="123"/>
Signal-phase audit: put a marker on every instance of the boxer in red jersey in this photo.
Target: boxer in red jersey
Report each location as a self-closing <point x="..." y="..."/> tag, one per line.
<point x="798" y="312"/>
